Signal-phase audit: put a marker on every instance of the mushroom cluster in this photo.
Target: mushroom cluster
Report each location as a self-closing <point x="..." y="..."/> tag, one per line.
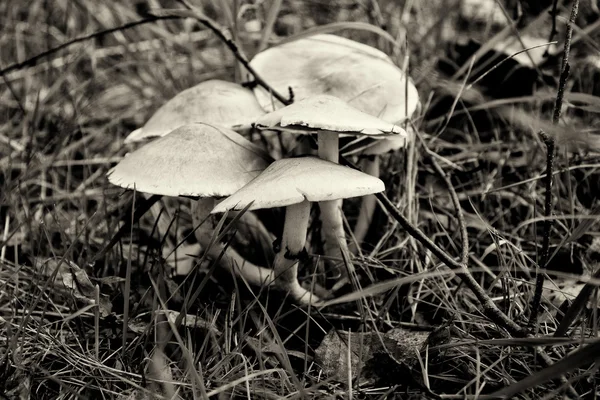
<point x="341" y="88"/>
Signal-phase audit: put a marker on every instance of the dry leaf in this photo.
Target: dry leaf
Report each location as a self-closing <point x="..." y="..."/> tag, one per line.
<point x="70" y="277"/>
<point x="361" y="355"/>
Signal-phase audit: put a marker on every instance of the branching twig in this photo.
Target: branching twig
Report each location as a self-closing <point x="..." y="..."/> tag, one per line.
<point x="193" y="12"/>
<point x="489" y="307"/>
<point x="550" y="144"/>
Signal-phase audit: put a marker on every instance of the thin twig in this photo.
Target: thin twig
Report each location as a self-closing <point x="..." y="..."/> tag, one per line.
<point x="31" y="62"/>
<point x="489" y="307"/>
<point x="547" y="227"/>
<point x="550" y="144"/>
<point x="194" y="12"/>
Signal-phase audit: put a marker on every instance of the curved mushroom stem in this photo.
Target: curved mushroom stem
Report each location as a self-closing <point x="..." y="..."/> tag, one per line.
<point x="329" y="146"/>
<point x="235" y="263"/>
<point x="367" y="207"/>
<point x="231" y="259"/>
<point x="292" y="246"/>
<point x="332" y="229"/>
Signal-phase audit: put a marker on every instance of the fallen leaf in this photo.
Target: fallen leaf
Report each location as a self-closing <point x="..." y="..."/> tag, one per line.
<point x="361" y="355"/>
<point x="70" y="277"/>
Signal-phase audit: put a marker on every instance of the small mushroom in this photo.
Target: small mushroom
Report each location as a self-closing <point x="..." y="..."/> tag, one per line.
<point x="329" y="117"/>
<point x="197" y="160"/>
<point x="214" y="102"/>
<point x="294" y="183"/>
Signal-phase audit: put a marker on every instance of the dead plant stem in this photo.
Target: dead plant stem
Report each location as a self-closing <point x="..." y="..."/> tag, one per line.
<point x="551" y="150"/>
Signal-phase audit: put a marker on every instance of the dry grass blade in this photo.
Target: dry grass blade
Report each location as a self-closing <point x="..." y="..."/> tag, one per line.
<point x="577" y="306"/>
<point x="127" y="286"/>
<point x="269" y="24"/>
<point x="383" y="287"/>
<point x="462" y="225"/>
<point x="583" y="356"/>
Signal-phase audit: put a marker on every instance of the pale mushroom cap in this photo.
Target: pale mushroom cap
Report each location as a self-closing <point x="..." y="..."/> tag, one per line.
<point x="327" y="113"/>
<point x="292" y="180"/>
<point x="197" y="160"/>
<point x="371" y="147"/>
<point x="361" y="75"/>
<point x="213" y="102"/>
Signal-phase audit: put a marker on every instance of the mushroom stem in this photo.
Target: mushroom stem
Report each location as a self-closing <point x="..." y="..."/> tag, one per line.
<point x="238" y="265"/>
<point x="367" y="207"/>
<point x="231" y="259"/>
<point x="292" y="244"/>
<point x="332" y="229"/>
<point x="329" y="146"/>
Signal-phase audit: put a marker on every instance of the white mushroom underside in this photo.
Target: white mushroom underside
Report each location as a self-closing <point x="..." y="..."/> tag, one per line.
<point x="293" y="180"/>
<point x="194" y="160"/>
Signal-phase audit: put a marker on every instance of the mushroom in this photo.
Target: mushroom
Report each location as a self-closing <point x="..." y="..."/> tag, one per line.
<point x="213" y="102"/>
<point x="361" y="75"/>
<point x="328" y="117"/>
<point x="197" y="160"/>
<point x="294" y="183"/>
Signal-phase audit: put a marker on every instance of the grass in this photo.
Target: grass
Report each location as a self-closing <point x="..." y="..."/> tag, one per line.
<point x="70" y="329"/>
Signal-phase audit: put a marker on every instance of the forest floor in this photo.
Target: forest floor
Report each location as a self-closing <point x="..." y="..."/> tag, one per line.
<point x="77" y="325"/>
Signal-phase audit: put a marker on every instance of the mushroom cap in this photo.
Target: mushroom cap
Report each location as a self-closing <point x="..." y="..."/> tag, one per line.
<point x="327" y="113"/>
<point x="365" y="146"/>
<point x="292" y="180"/>
<point x="328" y="64"/>
<point x="196" y="160"/>
<point x="213" y="102"/>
